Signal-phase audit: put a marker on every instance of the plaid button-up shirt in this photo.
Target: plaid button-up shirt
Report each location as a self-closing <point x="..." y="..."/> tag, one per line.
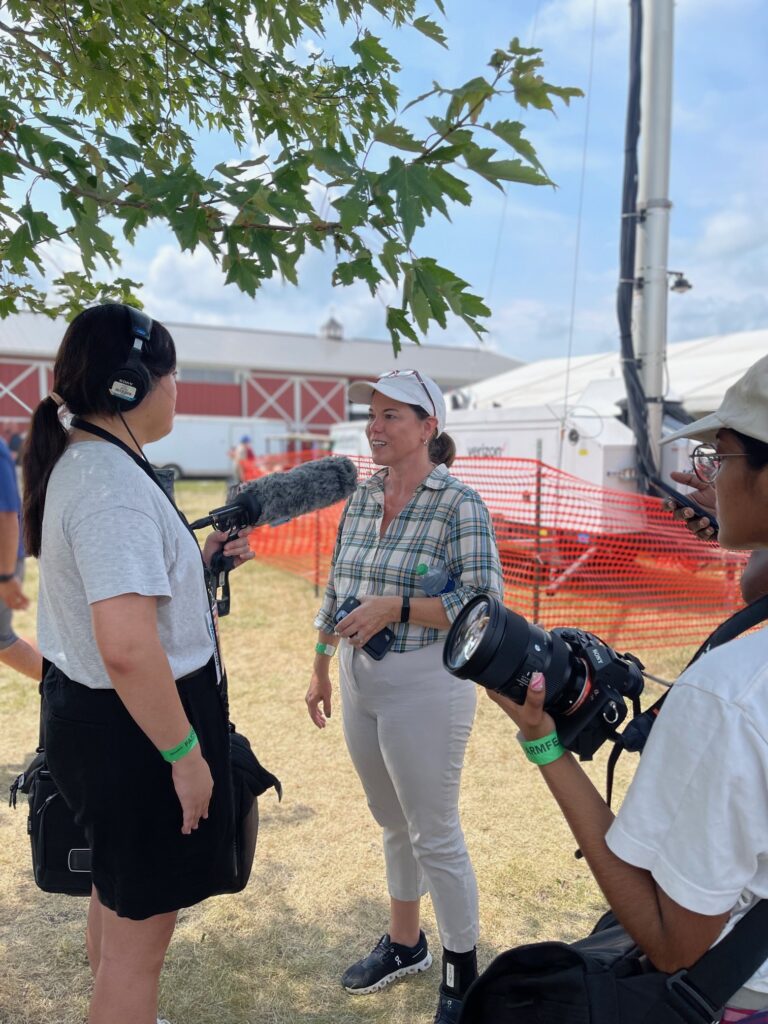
<point x="444" y="524"/>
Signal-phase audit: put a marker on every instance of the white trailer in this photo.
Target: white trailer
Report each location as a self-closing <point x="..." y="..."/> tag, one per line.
<point x="349" y="438"/>
<point x="585" y="438"/>
<point x="198" y="446"/>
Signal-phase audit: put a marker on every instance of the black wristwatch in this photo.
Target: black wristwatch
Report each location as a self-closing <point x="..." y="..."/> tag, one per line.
<point x="6" y="577"/>
<point x="405" y="611"/>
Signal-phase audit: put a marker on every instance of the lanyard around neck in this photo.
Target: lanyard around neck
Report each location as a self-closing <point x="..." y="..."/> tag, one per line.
<point x="141" y="460"/>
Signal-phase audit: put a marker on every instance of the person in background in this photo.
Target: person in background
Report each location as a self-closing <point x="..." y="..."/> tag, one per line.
<point x="16" y="446"/>
<point x="406" y="720"/>
<point x="243" y="460"/>
<point x="15" y="652"/>
<point x="687" y="854"/>
<point x="136" y="733"/>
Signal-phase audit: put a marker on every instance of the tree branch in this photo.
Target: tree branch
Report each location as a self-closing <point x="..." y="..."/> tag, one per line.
<point x="22" y="38"/>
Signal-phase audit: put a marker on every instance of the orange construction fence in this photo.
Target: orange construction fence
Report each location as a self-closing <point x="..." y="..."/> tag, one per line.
<point x="572" y="553"/>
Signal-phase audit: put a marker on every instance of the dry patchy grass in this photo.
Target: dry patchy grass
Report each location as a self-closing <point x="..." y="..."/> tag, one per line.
<point x="317" y="897"/>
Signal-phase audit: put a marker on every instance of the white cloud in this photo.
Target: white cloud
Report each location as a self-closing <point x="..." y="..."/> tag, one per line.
<point x="189" y="287"/>
<point x="739" y="229"/>
<point x="560" y="20"/>
<point x="532" y="329"/>
<point x="697" y="10"/>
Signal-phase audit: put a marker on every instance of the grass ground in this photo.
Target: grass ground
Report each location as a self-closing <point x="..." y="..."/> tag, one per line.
<point x="317" y="897"/>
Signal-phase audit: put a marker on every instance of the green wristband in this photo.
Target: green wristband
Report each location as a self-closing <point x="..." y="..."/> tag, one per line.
<point x="176" y="753"/>
<point x="543" y="751"/>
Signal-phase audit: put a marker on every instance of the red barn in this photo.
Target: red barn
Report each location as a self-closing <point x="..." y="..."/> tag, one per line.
<point x="298" y="379"/>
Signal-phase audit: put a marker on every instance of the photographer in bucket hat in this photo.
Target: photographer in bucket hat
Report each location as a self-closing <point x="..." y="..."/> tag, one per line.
<point x="736" y="408"/>
<point x="414" y="545"/>
<point x="687" y="854"/>
<point x="744" y="408"/>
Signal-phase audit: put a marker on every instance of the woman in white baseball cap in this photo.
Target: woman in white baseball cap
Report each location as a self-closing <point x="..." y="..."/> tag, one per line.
<point x="687" y="854"/>
<point x="414" y="545"/>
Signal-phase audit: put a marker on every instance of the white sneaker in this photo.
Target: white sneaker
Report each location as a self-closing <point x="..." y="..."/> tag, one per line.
<point x="162" y="1020"/>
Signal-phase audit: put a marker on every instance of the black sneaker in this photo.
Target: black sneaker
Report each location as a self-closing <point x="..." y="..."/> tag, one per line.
<point x="386" y="962"/>
<point x="448" y="1009"/>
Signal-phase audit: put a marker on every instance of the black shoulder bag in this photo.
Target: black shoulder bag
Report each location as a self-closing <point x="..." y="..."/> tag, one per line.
<point x="61" y="859"/>
<point x="605" y="978"/>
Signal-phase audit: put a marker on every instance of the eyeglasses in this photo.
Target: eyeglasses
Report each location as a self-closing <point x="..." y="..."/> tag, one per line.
<point x="707" y="462"/>
<point x="417" y="375"/>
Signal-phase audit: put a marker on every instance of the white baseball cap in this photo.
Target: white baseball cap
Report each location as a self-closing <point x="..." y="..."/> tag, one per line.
<point x="407" y="386"/>
<point x="744" y="408"/>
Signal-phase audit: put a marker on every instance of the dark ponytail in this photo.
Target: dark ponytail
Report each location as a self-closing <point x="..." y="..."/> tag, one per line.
<point x="442" y="447"/>
<point x="95" y="344"/>
<point x="45" y="443"/>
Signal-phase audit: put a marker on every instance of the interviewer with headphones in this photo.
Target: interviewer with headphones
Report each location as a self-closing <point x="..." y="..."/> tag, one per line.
<point x="135" y="727"/>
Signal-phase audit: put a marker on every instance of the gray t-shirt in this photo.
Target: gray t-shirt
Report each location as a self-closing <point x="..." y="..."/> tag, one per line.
<point x="109" y="530"/>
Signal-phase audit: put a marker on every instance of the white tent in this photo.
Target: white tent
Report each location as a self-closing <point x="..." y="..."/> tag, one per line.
<point x="699" y="372"/>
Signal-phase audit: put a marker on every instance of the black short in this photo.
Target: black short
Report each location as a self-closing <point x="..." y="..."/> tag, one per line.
<point x="121" y="791"/>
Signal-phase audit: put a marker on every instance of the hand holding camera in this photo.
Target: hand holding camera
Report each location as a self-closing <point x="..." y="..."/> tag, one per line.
<point x="530" y="717"/>
<point x="588" y="683"/>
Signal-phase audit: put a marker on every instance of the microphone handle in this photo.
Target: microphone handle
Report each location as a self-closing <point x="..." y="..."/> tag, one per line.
<point x="199" y="524"/>
<point x="218" y="575"/>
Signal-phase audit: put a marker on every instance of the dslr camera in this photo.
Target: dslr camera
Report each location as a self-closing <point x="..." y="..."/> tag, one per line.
<point x="588" y="683"/>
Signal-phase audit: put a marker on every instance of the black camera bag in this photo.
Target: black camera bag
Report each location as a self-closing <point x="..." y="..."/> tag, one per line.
<point x="61" y="859"/>
<point x="606" y="979"/>
<point x="249" y="780"/>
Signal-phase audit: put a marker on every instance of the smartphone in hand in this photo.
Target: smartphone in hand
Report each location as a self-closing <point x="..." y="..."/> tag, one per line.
<point x="379" y="643"/>
<point x="686" y="500"/>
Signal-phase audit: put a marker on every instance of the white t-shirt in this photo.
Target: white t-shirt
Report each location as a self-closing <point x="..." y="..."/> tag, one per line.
<point x="696" y="813"/>
<point x="108" y="530"/>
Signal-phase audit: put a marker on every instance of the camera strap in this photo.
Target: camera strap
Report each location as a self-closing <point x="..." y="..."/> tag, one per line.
<point x="698" y="993"/>
<point x="141" y="460"/>
<point x="635" y="735"/>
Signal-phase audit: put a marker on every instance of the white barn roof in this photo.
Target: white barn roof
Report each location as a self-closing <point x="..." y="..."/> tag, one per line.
<point x="699" y="372"/>
<point x="33" y="335"/>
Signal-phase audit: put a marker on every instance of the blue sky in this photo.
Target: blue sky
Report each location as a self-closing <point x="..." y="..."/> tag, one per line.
<point x="520" y="251"/>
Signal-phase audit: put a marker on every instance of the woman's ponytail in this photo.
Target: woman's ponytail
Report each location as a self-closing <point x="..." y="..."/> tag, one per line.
<point x="44" y="445"/>
<point x="442" y="449"/>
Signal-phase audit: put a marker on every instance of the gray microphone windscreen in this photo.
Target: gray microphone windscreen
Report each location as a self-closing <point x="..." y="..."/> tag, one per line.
<point x="303" y="489"/>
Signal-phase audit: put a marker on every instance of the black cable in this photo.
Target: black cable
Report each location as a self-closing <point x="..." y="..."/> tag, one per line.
<point x="637" y="415"/>
<point x="125" y="424"/>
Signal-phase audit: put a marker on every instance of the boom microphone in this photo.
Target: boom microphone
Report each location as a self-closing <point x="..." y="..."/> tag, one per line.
<point x="282" y="496"/>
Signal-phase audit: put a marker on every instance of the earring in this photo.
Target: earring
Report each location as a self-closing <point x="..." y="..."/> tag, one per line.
<point x="425" y="441"/>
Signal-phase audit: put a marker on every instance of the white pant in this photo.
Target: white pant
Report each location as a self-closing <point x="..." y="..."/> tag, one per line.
<point x="406" y="723"/>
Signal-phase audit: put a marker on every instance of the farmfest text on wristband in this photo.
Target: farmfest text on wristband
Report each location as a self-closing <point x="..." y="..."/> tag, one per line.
<point x="544" y="750"/>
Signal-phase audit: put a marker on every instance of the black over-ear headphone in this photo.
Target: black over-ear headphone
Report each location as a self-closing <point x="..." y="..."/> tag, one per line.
<point x="129" y="384"/>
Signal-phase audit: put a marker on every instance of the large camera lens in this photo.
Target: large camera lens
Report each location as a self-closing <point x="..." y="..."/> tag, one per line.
<point x="499" y="649"/>
<point x="587" y="681"/>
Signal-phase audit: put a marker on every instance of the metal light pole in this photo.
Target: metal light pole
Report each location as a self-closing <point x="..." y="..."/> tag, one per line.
<point x="653" y="206"/>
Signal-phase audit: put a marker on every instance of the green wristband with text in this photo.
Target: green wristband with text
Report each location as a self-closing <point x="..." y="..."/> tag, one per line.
<point x="176" y="753"/>
<point x="543" y="751"/>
